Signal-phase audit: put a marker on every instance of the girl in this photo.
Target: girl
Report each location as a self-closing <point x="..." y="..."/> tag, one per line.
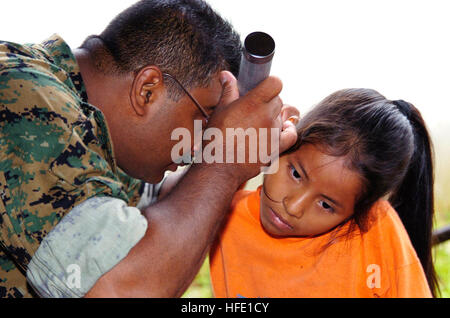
<point x="324" y="225"/>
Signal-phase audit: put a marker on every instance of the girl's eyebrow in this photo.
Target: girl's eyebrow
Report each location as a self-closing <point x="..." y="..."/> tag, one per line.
<point x="322" y="195"/>
<point x="303" y="169"/>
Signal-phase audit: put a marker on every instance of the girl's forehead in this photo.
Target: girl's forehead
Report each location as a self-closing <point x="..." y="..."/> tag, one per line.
<point x="316" y="157"/>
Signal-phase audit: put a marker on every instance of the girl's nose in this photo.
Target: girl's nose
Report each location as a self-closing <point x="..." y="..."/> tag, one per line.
<point x="295" y="205"/>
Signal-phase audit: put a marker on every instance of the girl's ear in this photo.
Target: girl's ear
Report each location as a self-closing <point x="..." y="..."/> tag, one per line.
<point x="290" y="113"/>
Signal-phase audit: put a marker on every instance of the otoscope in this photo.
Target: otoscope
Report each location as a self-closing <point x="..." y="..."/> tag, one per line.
<point x="256" y="61"/>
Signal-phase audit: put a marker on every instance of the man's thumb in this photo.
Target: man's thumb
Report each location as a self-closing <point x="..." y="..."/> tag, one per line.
<point x="230" y="91"/>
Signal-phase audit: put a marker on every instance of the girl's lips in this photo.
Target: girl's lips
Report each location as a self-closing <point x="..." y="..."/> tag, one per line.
<point x="278" y="221"/>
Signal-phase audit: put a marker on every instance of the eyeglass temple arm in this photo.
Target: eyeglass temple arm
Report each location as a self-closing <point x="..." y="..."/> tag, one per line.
<point x="187" y="93"/>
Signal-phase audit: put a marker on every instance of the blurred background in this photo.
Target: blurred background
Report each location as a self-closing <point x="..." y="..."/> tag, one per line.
<point x="398" y="47"/>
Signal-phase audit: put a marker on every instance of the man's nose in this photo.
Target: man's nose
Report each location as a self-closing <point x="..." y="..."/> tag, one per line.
<point x="295" y="204"/>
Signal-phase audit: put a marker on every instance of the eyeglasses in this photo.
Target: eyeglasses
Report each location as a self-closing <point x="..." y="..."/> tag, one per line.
<point x="202" y="110"/>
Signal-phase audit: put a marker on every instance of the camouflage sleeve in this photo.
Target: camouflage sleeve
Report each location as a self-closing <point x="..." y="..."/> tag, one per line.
<point x="90" y="240"/>
<point x="55" y="153"/>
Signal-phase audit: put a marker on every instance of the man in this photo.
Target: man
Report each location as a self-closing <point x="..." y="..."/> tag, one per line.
<point x="79" y="131"/>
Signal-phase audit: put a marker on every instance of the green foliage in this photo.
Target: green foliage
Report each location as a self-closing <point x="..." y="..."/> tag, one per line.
<point x="201" y="286"/>
<point x="441" y="252"/>
<point x="442" y="265"/>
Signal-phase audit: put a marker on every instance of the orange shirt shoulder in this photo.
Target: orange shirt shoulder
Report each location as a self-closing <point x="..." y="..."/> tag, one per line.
<point x="247" y="262"/>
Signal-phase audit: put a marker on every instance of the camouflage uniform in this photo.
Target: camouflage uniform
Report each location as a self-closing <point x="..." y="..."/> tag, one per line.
<point x="55" y="152"/>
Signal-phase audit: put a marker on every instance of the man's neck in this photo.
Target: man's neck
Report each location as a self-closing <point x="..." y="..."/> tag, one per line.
<point x="107" y="93"/>
<point x="90" y="76"/>
<point x="103" y="90"/>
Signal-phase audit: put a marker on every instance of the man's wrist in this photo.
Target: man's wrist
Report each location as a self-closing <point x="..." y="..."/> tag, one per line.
<point x="231" y="173"/>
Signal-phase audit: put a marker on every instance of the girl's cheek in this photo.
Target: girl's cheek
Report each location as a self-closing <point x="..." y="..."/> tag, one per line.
<point x="274" y="185"/>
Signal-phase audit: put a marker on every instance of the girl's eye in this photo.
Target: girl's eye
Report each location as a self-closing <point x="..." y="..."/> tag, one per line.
<point x="326" y="206"/>
<point x="295" y="173"/>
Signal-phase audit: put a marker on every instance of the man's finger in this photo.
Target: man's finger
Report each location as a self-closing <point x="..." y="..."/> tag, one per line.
<point x="275" y="106"/>
<point x="230" y="91"/>
<point x="267" y="90"/>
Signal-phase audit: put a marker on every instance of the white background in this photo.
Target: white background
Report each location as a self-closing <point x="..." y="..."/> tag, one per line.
<point x="399" y="47"/>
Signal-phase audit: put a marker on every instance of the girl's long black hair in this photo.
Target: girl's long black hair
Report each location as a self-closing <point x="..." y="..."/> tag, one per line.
<point x="388" y="144"/>
<point x="414" y="198"/>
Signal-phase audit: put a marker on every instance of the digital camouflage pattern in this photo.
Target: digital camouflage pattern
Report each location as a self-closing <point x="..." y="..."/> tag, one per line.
<point x="55" y="152"/>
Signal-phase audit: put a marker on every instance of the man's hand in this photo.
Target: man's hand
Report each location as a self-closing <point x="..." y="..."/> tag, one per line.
<point x="289" y="115"/>
<point x="260" y="108"/>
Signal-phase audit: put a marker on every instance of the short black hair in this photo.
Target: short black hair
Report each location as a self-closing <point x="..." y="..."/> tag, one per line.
<point x="185" y="38"/>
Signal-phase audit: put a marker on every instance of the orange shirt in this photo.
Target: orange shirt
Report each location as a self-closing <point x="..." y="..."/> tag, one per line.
<point x="247" y="262"/>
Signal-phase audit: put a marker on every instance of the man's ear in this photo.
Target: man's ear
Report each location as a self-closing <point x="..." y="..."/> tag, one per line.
<point x="147" y="88"/>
